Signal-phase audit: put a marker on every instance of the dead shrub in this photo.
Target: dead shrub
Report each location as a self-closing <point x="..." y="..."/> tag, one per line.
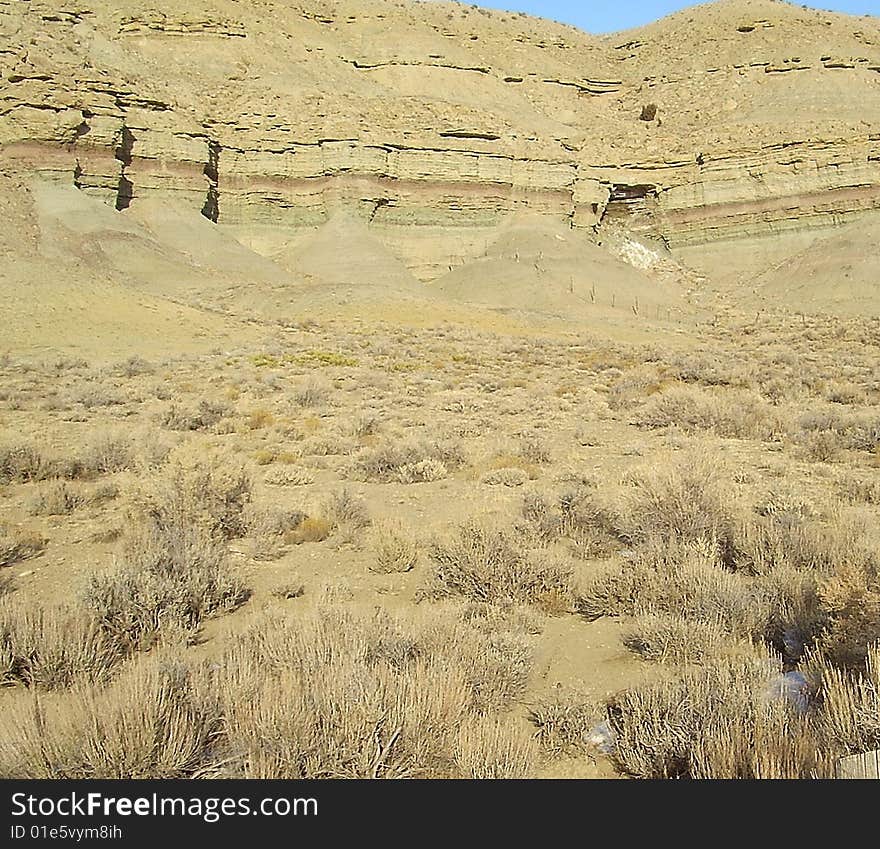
<point x="167" y="581"/>
<point x="260" y="418"/>
<point x="849" y="719"/>
<point x="333" y="694"/>
<point x="822" y="446"/>
<point x="173" y="570"/>
<point x="682" y="500"/>
<point x="205" y="415"/>
<point x="55" y="498"/>
<point x="313" y="392"/>
<point x="91" y="393"/>
<point x="268" y="529"/>
<point x="52" y="649"/>
<point x="783" y="539"/>
<point x="311" y="529"/>
<point x="853" y="430"/>
<point x="205" y="490"/>
<point x="683" y="641"/>
<point x="290" y="476"/>
<point x="574" y="515"/>
<point x="345" y="510"/>
<point x="330" y="694"/>
<point x="134" y="366"/>
<point x="533" y="449"/>
<point x="21" y="462"/>
<point x="716" y="721"/>
<point x="394" y="548"/>
<point x="691" y="583"/>
<point x="495" y="749"/>
<point x="365" y="424"/>
<point x="732" y="413"/>
<point x="327" y="445"/>
<point x="485" y="564"/>
<point x="407" y="462"/>
<point x="424" y="471"/>
<point x="17" y="545"/>
<point x="108" y="452"/>
<point x="95" y="734"/>
<point x="566" y="723"/>
<point x="506" y="477"/>
<point x="859" y="490"/>
<point x="850" y="599"/>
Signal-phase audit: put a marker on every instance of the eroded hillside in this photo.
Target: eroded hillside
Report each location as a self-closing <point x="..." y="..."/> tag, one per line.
<point x="763" y="117"/>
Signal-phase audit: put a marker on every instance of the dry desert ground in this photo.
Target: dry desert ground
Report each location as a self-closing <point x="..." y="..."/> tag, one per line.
<point x="388" y="391"/>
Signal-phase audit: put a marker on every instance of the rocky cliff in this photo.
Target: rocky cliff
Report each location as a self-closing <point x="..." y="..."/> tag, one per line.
<point x="727" y="121"/>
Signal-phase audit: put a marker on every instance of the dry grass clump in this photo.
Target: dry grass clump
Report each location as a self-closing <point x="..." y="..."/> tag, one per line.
<point x="21" y="462"/>
<point x="484" y="564"/>
<point x="92" y="393"/>
<point x="492" y="617"/>
<point x="340" y="512"/>
<point x="692" y="584"/>
<point x="268" y="530"/>
<point x="394" y="548"/>
<point x="506" y="476"/>
<point x="311" y="529"/>
<point x="259" y="418"/>
<point x="686" y="579"/>
<point x="407" y="462"/>
<point x="506" y="460"/>
<point x="566" y="723"/>
<point x="574" y="515"/>
<point x="683" y="641"/>
<point x="329" y="694"/>
<point x="133" y="366"/>
<point x="205" y="415"/>
<point x="423" y="471"/>
<point x="849" y="721"/>
<point x="850" y="599"/>
<point x="716" y="721"/>
<point x="859" y="490"/>
<point x="16" y="545"/>
<point x="493" y="749"/>
<point x="205" y="490"/>
<point x="730" y="413"/>
<point x="822" y="446"/>
<point x="346" y="510"/>
<point x="845" y="429"/>
<point x="52" y="649"/>
<point x="107" y="452"/>
<point x="290" y="476"/>
<point x="786" y="539"/>
<point x="326" y="445"/>
<point x="103" y="452"/>
<point x="55" y="498"/>
<point x="632" y="385"/>
<point x="339" y="695"/>
<point x="684" y="499"/>
<point x="173" y="570"/>
<point x="95" y="733"/>
<point x="365" y="424"/>
<point x="167" y="581"/>
<point x="534" y="449"/>
<point x="313" y="392"/>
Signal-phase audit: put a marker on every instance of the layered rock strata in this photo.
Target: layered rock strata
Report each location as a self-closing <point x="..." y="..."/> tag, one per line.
<point x="702" y="127"/>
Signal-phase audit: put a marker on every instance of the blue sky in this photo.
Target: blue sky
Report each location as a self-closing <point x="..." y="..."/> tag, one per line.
<point x="598" y="16"/>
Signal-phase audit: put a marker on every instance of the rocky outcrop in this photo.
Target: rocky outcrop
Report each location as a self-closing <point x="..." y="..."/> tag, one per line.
<point x="159" y="23"/>
<point x="446" y="116"/>
<point x="749" y="192"/>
